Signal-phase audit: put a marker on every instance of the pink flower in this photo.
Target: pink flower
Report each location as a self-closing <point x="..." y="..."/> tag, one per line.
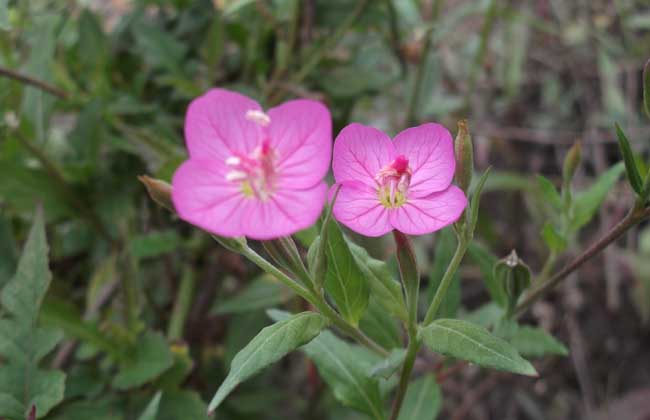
<point x="252" y="173"/>
<point x="404" y="184"/>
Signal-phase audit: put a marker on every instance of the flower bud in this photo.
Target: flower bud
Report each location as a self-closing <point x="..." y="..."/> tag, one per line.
<point x="514" y="276"/>
<point x="285" y="253"/>
<point x="408" y="269"/>
<point x="464" y="152"/>
<point x="159" y="191"/>
<point x="571" y="162"/>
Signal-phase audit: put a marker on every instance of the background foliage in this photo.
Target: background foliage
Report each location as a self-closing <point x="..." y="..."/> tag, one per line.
<point x="144" y="314"/>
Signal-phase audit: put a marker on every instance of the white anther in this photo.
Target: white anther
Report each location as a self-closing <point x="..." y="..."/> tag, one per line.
<point x="233" y="161"/>
<point x="236" y="176"/>
<point x="258" y="117"/>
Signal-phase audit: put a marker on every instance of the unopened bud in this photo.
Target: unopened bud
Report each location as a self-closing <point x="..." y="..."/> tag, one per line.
<point x="464" y="152"/>
<point x="571" y="162"/>
<point x="408" y="269"/>
<point x="514" y="276"/>
<point x="159" y="191"/>
<point x="285" y="253"/>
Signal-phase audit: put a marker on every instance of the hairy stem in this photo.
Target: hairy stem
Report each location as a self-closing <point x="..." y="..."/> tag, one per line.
<point x="636" y="215"/>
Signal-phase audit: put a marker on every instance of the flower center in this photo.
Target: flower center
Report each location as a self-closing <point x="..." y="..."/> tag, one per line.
<point x="394" y="180"/>
<point x="255" y="172"/>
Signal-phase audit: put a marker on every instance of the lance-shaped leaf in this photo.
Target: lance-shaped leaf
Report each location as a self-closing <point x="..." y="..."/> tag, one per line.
<point x="269" y="346"/>
<point x="389" y="365"/>
<point x="549" y="192"/>
<point x="535" y="342"/>
<point x="151" y="411"/>
<point x="383" y="286"/>
<point x="587" y="202"/>
<point x="630" y="164"/>
<point x="344" y="280"/>
<point x="22" y="342"/>
<point x="466" y="341"/>
<point x="423" y="400"/>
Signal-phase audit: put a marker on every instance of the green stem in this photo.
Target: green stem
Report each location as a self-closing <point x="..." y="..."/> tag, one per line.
<point x="181" y="306"/>
<point x="317" y="301"/>
<point x="548" y="266"/>
<point x="446" y="281"/>
<point x="407" y="368"/>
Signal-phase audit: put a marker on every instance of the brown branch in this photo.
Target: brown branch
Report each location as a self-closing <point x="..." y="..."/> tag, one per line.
<point x="44" y="86"/>
<point x="635" y="216"/>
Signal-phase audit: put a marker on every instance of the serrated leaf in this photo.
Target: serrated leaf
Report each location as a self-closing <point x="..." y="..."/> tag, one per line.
<point x="444" y="252"/>
<point x="22" y="343"/>
<point x="549" y="192"/>
<point x="151" y="411"/>
<point x="486" y="261"/>
<point x="151" y="357"/>
<point x="423" y="400"/>
<point x="535" y="342"/>
<point x="630" y="163"/>
<point x="389" y="365"/>
<point x="383" y="287"/>
<point x="344" y="280"/>
<point x="264" y="292"/>
<point x="466" y="341"/>
<point x="269" y="346"/>
<point x="587" y="203"/>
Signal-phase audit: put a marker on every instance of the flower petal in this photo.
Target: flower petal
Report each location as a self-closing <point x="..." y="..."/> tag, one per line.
<point x="216" y="125"/>
<point x="301" y="133"/>
<point x="419" y="216"/>
<point x="203" y="197"/>
<point x="284" y="213"/>
<point x="359" y="153"/>
<point x="357" y="207"/>
<point x="430" y="150"/>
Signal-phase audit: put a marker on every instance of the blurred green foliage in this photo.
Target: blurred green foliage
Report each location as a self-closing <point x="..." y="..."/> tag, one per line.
<point x="107" y="86"/>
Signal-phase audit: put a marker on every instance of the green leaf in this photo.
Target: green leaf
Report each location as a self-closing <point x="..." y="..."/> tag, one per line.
<point x="389" y="365"/>
<point x="549" y="192"/>
<point x="8" y="252"/>
<point x="443" y="253"/>
<point x="269" y="346"/>
<point x="64" y="315"/>
<point x="344" y="280"/>
<point x="379" y="325"/>
<point x="646" y="88"/>
<point x="264" y="292"/>
<point x="587" y="202"/>
<point x="22" y="343"/>
<point x="630" y="164"/>
<point x="486" y="261"/>
<point x="182" y="405"/>
<point x="4" y="16"/>
<point x="343" y="367"/>
<point x="553" y="239"/>
<point x="466" y="341"/>
<point x="154" y="244"/>
<point x="383" y="286"/>
<point x="475" y="201"/>
<point x="423" y="400"/>
<point x="535" y="342"/>
<point x="152" y="408"/>
<point x="151" y="357"/>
